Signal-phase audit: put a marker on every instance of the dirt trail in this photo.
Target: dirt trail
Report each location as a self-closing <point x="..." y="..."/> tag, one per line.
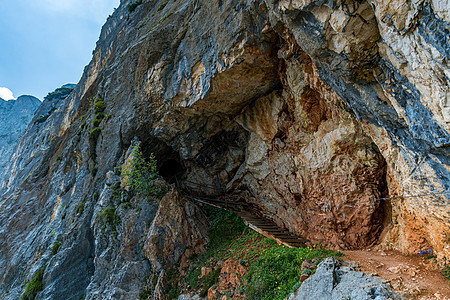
<point x="412" y="275"/>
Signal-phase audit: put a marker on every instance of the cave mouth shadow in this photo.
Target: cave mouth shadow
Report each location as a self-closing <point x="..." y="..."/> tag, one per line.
<point x="171" y="170"/>
<point x="169" y="164"/>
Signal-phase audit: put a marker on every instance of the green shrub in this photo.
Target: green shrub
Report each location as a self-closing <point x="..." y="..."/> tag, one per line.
<point x="116" y="191"/>
<point x="141" y="175"/>
<point x="173" y="277"/>
<point x="99" y="105"/>
<point x="43" y="118"/>
<point x="100" y="116"/>
<point x="99" y="108"/>
<point x="162" y="5"/>
<point x="59" y="93"/>
<point x="446" y="272"/>
<point x="109" y="217"/>
<point x="34" y="286"/>
<point x="144" y="294"/>
<point x="165" y="17"/>
<point x="96" y="196"/>
<point x="80" y="208"/>
<point x="131" y="7"/>
<point x="96" y="122"/>
<point x="55" y="247"/>
<point x="95" y="133"/>
<point x="94" y="171"/>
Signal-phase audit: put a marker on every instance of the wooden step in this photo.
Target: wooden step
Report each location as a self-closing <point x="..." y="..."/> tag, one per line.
<point x="268" y="226"/>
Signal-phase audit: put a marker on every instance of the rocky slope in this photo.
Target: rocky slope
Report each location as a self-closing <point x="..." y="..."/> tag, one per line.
<point x="330" y="118"/>
<point x="14" y="118"/>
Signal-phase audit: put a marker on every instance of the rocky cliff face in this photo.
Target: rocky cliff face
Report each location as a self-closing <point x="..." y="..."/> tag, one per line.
<point x="14" y="118"/>
<point x="330" y="118"/>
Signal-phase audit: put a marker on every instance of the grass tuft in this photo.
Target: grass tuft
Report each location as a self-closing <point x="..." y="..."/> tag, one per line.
<point x="34" y="286"/>
<point x="446" y="272"/>
<point x="55" y="247"/>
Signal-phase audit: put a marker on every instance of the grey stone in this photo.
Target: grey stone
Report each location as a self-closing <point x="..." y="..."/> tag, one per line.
<point x="333" y="281"/>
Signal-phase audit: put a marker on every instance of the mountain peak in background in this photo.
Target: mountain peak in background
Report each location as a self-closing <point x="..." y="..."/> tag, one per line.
<point x="16" y="115"/>
<point x="14" y="118"/>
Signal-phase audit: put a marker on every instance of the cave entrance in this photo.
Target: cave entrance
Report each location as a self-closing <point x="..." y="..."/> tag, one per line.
<point x="168" y="160"/>
<point x="171" y="170"/>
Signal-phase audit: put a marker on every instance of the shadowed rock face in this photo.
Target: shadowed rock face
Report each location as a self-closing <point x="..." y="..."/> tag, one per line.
<point x="308" y="111"/>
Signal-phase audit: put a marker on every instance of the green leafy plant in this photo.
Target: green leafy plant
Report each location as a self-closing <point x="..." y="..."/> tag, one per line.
<point x="43" y="118"/>
<point x="96" y="122"/>
<point x="34" y="286"/>
<point x="165" y="17"/>
<point x="94" y="171"/>
<point x="141" y="175"/>
<point x="80" y="208"/>
<point x="225" y="230"/>
<point x="116" y="191"/>
<point x="59" y="93"/>
<point x="131" y="7"/>
<point x="99" y="116"/>
<point x="144" y="294"/>
<point x="99" y="105"/>
<point x="95" y="133"/>
<point x="162" y="5"/>
<point x="55" y="247"/>
<point x="446" y="272"/>
<point x="173" y="277"/>
<point x="95" y="196"/>
<point x="99" y="108"/>
<point x="109" y="217"/>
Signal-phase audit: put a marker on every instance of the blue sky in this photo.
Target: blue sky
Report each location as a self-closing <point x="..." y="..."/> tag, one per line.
<point x="47" y="43"/>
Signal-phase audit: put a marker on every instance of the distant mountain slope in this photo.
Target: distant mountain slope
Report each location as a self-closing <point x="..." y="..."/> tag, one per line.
<point x="14" y="118"/>
<point x="32" y="124"/>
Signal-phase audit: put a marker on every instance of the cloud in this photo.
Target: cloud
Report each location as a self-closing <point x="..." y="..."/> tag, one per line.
<point x="6" y="94"/>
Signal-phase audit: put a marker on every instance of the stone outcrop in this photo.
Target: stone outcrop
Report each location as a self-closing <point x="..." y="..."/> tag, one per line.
<point x="332" y="280"/>
<point x="330" y="118"/>
<point x="14" y="118"/>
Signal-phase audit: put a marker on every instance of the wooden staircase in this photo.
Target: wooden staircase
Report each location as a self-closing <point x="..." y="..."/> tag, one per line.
<point x="260" y="224"/>
<point x="271" y="230"/>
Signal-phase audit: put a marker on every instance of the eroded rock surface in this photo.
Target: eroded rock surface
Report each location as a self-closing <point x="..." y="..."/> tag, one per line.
<point x="332" y="280"/>
<point x="314" y="113"/>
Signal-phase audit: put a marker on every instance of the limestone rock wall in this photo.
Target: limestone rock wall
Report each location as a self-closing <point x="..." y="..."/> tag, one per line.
<point x="311" y="112"/>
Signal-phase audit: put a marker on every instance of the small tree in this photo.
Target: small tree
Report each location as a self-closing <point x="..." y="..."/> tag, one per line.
<point x="139" y="174"/>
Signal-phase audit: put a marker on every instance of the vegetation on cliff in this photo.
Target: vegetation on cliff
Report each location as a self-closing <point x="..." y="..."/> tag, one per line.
<point x="140" y="175"/>
<point x="34" y="286"/>
<point x="265" y="269"/>
<point x="59" y="93"/>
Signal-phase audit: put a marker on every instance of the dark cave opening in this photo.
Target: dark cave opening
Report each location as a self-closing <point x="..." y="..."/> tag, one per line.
<point x="168" y="160"/>
<point x="171" y="170"/>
